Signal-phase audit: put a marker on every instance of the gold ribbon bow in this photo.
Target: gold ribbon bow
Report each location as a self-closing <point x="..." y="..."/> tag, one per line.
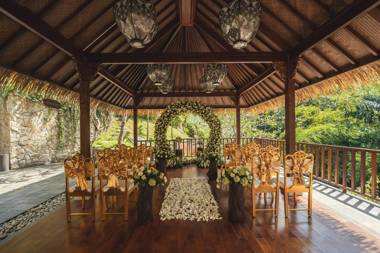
<point x="76" y="167"/>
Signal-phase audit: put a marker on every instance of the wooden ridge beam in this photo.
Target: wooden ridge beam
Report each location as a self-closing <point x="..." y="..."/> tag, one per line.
<point x="341" y="20"/>
<point x="103" y="72"/>
<point x="185" y="58"/>
<point x="258" y="79"/>
<point x="186" y="11"/>
<point x="189" y="94"/>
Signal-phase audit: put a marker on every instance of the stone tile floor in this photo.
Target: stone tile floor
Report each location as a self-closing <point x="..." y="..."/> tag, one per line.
<point x="23" y="189"/>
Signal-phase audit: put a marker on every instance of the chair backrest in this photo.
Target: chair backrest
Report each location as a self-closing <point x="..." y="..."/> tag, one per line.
<point x="265" y="165"/>
<point x="250" y="150"/>
<point x="298" y="164"/>
<point x="79" y="168"/>
<point x="233" y="154"/>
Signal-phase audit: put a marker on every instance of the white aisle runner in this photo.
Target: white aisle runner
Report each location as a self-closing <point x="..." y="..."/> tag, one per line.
<point x="189" y="199"/>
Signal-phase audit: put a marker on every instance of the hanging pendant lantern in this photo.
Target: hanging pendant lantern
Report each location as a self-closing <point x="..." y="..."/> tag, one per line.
<point x="215" y="73"/>
<point x="158" y="73"/>
<point x="206" y="86"/>
<point x="166" y="87"/>
<point x="136" y="20"/>
<point x="240" y="22"/>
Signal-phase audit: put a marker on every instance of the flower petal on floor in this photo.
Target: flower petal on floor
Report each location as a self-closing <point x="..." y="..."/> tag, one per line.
<point x="189" y="199"/>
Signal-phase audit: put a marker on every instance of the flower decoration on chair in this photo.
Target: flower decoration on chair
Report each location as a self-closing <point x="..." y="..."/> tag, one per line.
<point x="136" y="20"/>
<point x="238" y="175"/>
<point x="148" y="176"/>
<point x="240" y="22"/>
<point x="163" y="150"/>
<point x="158" y="73"/>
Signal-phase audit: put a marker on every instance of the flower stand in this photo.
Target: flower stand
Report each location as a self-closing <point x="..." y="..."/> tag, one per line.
<point x="144" y="205"/>
<point x="161" y="164"/>
<point x="212" y="173"/>
<point x="236" y="212"/>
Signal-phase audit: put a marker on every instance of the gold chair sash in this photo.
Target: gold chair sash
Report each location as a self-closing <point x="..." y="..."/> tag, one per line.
<point x="77" y="167"/>
<point x="297" y="165"/>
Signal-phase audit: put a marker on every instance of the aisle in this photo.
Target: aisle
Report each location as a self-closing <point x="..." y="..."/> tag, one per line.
<point x="189" y="199"/>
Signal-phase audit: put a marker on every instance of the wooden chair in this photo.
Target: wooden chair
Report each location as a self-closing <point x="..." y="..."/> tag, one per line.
<point x="113" y="177"/>
<point x="297" y="166"/>
<point x="80" y="169"/>
<point x="266" y="174"/>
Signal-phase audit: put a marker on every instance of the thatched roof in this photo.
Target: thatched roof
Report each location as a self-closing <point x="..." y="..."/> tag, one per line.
<point x="88" y="27"/>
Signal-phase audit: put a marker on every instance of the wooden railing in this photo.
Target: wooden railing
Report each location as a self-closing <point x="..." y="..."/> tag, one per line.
<point x="348" y="168"/>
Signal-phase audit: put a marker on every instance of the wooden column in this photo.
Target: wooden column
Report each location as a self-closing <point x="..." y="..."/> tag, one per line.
<point x="238" y="137"/>
<point x="290" y="104"/>
<point x="135" y="126"/>
<point x="86" y="73"/>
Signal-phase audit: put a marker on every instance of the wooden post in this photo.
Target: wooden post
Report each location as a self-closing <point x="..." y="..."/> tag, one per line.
<point x="86" y="73"/>
<point x="238" y="137"/>
<point x="290" y="105"/>
<point x="135" y="126"/>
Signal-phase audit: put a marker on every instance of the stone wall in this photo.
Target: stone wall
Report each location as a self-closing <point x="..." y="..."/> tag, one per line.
<point x="35" y="134"/>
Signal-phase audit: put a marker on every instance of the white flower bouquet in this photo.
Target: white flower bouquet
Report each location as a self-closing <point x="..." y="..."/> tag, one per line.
<point x="148" y="176"/>
<point x="239" y="175"/>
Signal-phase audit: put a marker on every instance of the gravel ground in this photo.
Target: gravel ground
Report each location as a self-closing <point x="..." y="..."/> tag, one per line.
<point x="30" y="216"/>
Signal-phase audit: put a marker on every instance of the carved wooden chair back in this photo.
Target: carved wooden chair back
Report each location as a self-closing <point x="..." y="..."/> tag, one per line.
<point x="113" y="176"/>
<point x="266" y="179"/>
<point x="298" y="166"/>
<point x="82" y="170"/>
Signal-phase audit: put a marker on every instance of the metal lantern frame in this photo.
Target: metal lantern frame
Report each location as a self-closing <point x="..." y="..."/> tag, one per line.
<point x="240" y="22"/>
<point x="159" y="74"/>
<point x="137" y="20"/>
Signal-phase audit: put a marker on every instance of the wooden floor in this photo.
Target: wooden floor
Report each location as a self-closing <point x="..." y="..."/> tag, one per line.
<point x="324" y="233"/>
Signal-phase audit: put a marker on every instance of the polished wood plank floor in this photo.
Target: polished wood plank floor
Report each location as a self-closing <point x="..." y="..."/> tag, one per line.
<point x="324" y="233"/>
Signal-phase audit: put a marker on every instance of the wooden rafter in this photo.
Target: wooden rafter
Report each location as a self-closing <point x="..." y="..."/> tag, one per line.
<point x="258" y="79"/>
<point x="341" y="20"/>
<point x="31" y="22"/>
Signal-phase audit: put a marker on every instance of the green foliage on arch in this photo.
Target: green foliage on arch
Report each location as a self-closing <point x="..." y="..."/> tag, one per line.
<point x="162" y="145"/>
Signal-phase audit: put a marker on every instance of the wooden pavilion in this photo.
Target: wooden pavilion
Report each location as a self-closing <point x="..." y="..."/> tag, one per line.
<point x="302" y="48"/>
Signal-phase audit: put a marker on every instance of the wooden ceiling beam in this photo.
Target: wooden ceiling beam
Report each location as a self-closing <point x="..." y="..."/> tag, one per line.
<point x="341" y="20"/>
<point x="115" y="81"/>
<point x="157" y="107"/>
<point x="258" y="79"/>
<point x="185" y="58"/>
<point x="186" y="11"/>
<point x="189" y="94"/>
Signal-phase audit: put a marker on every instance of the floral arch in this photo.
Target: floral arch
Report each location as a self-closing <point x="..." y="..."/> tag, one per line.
<point x="162" y="145"/>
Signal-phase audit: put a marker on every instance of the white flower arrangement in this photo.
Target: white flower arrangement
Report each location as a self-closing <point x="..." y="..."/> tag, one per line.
<point x="163" y="150"/>
<point x="239" y="175"/>
<point x="148" y="176"/>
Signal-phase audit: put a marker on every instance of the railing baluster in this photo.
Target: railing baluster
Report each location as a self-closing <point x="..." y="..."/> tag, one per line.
<point x="353" y="162"/>
<point x="362" y="171"/>
<point x="336" y="167"/>
<point x="374" y="175"/>
<point x="316" y="161"/>
<point x="329" y="163"/>
<point x="323" y="162"/>
<point x="344" y="172"/>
